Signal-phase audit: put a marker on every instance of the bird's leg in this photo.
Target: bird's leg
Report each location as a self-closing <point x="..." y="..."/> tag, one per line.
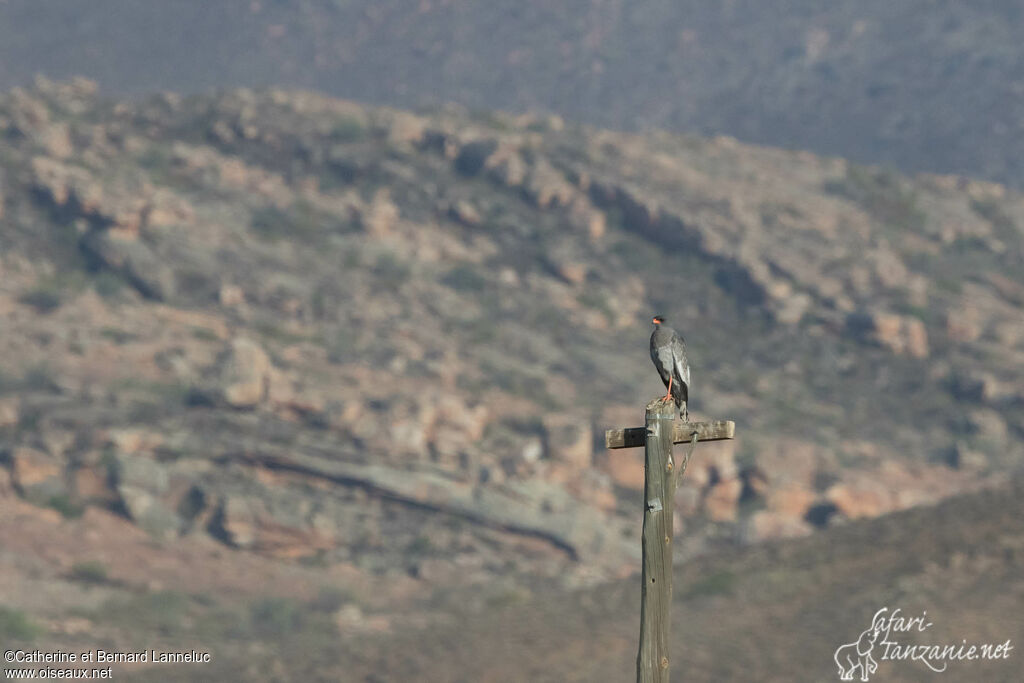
<point x="668" y="394"/>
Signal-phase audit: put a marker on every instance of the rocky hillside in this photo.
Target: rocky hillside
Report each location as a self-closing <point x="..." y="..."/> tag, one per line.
<point x="778" y="609"/>
<point x="922" y="85"/>
<point x="305" y="329"/>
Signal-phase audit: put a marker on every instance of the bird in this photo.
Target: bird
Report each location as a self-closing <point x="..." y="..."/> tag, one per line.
<point x="668" y="351"/>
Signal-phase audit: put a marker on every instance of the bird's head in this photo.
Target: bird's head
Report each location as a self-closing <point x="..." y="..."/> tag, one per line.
<point x="658" y="319"/>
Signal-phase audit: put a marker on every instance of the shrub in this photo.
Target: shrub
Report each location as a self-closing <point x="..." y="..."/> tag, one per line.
<point x="349" y="129"/>
<point x="330" y="599"/>
<point x="15" y="625"/>
<point x="464" y="278"/>
<point x="276" y="616"/>
<point x="44" y="299"/>
<point x="301" y="221"/>
<point x="390" y="272"/>
<point x="163" y="613"/>
<point x="993" y="212"/>
<point x="39" y="378"/>
<point x="719" y="583"/>
<point x="68" y="508"/>
<point x="92" y="572"/>
<point x="107" y="284"/>
<point x="881" y="193"/>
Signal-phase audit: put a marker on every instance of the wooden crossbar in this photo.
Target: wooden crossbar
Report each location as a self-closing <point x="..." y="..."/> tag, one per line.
<point x="682" y="432"/>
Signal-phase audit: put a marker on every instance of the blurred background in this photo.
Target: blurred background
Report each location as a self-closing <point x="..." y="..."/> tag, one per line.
<point x="313" y="314"/>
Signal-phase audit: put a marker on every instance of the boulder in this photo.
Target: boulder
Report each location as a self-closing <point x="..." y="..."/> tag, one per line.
<point x="403" y="128"/>
<point x="963" y="458"/>
<point x="978" y="386"/>
<point x="767" y="525"/>
<point x="568" y="439"/>
<point x="134" y="260"/>
<point x="963" y="325"/>
<point x="473" y="156"/>
<point x="899" y="333"/>
<point x="61" y="184"/>
<point x="37" y="475"/>
<point x="573" y="272"/>
<point x="235" y="522"/>
<point x="720" y="502"/>
<point x="265" y="525"/>
<point x="863" y="498"/>
<point x="465" y="213"/>
<point x="790" y="501"/>
<point x="231" y="296"/>
<point x="10" y="411"/>
<point x="141" y="485"/>
<point x="380" y="217"/>
<point x="133" y="440"/>
<point x="507" y="168"/>
<point x="244" y="374"/>
<point x="625" y="467"/>
<point x="989" y="426"/>
<point x="716" y="462"/>
<point x="92" y="484"/>
<point x="790" y="310"/>
<point x="56" y="140"/>
<point x="547" y="187"/>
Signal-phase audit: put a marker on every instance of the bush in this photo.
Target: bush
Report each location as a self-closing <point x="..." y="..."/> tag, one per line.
<point x="276" y="616"/>
<point x="43" y="299"/>
<point x="108" y="284"/>
<point x="15" y="625"/>
<point x="349" y="129"/>
<point x="343" y="347"/>
<point x="881" y="193"/>
<point x="89" y="572"/>
<point x="68" y="508"/>
<point x="464" y="278"/>
<point x="330" y="599"/>
<point x="38" y="378"/>
<point x="719" y="583"/>
<point x="163" y="613"/>
<point x="391" y="272"/>
<point x="993" y="212"/>
<point x="301" y="221"/>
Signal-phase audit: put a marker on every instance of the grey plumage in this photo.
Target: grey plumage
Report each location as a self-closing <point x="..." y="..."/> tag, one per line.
<point x="668" y="351"/>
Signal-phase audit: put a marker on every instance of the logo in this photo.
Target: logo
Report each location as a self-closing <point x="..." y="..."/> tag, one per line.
<point x="886" y="640"/>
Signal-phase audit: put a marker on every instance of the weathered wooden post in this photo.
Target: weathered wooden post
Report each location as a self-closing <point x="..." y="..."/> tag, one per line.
<point x="656" y="591"/>
<point x="661" y="430"/>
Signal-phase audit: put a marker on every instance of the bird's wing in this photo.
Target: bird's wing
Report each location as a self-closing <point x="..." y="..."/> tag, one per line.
<point x="664" y="360"/>
<point x="682" y="369"/>
<point x="680" y="364"/>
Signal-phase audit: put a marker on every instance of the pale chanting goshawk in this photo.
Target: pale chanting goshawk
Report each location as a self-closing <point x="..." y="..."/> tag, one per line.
<point x="668" y="351"/>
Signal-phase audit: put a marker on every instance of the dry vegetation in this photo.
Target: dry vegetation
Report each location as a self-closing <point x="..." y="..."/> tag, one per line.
<point x="282" y="372"/>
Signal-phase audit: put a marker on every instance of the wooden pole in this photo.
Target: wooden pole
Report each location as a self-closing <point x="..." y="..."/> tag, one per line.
<point x="652" y="662"/>
<point x="662" y="473"/>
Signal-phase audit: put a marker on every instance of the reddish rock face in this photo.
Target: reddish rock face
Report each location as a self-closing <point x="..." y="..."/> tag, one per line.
<point x="626" y="468"/>
<point x="766" y="525"/>
<point x="790" y="501"/>
<point x="899" y="333"/>
<point x="32" y="469"/>
<point x="721" y="499"/>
